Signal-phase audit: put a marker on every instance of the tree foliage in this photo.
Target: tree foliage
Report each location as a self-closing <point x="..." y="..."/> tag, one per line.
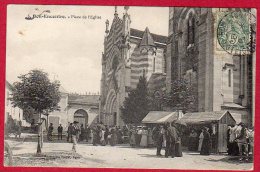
<point x="136" y="105"/>
<point x="156" y="100"/>
<point x="181" y="96"/>
<point x="36" y="93"/>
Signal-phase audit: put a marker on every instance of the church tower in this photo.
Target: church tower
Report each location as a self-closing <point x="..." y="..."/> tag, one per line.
<point x="115" y="68"/>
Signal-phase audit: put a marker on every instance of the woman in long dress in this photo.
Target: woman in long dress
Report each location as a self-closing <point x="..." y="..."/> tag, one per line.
<point x="178" y="149"/>
<point x="200" y="141"/>
<point x="132" y="137"/>
<point x="102" y="140"/>
<point x="143" y="142"/>
<point x="205" y="148"/>
<point x="113" y="140"/>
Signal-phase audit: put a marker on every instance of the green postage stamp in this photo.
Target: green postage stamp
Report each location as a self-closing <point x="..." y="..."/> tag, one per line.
<point x="234" y="32"/>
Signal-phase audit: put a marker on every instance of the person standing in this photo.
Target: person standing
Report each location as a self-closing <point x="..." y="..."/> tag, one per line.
<point x="168" y="141"/>
<point x="158" y="138"/>
<point x="143" y="142"/>
<point x="178" y="148"/>
<point x="150" y="138"/>
<point x="173" y="139"/>
<point x="102" y="139"/>
<point x="242" y="141"/>
<point x="60" y="129"/>
<point x="200" y="140"/>
<point x="193" y="139"/>
<point x="113" y="140"/>
<point x="82" y="133"/>
<point x="139" y="136"/>
<point x="106" y="134"/>
<point x="132" y="133"/>
<point x="50" y="131"/>
<point x="69" y="131"/>
<point x="74" y="133"/>
<point x="205" y="147"/>
<point x="91" y="136"/>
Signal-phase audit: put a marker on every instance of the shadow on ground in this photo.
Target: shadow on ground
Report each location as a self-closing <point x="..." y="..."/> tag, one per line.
<point x="233" y="160"/>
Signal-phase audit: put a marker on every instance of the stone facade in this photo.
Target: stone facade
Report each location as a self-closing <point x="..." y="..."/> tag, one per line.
<point x="128" y="54"/>
<point x="223" y="81"/>
<point x="13" y="112"/>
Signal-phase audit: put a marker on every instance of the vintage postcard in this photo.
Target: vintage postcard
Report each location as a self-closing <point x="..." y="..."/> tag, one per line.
<point x="130" y="87"/>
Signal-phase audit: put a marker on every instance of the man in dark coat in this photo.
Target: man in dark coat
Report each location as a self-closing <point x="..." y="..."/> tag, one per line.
<point x="157" y="136"/>
<point x="60" y="129"/>
<point x="50" y="131"/>
<point x="173" y="137"/>
<point x="168" y="140"/>
<point x="69" y="137"/>
<point x="205" y="148"/>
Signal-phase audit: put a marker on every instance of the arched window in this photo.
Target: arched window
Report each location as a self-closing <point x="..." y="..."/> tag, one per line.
<point x="191" y="29"/>
<point x="115" y="63"/>
<point x="229" y="78"/>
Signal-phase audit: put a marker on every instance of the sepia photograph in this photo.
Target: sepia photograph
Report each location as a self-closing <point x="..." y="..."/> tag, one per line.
<point x="130" y="87"/>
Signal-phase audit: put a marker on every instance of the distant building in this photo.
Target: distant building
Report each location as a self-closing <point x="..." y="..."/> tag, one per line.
<point x="12" y="112"/>
<point x="128" y="54"/>
<point x="223" y="81"/>
<point x="75" y="107"/>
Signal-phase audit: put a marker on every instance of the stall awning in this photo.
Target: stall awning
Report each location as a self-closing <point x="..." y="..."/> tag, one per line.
<point x="156" y="117"/>
<point x="205" y="117"/>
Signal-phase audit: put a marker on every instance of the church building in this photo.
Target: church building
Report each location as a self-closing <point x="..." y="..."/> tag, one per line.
<point x="223" y="81"/>
<point x="128" y="54"/>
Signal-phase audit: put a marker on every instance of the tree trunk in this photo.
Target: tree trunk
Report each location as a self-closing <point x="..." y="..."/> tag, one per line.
<point x="41" y="138"/>
<point x="39" y="151"/>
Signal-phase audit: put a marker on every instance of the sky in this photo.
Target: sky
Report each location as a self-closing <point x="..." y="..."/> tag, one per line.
<point x="70" y="49"/>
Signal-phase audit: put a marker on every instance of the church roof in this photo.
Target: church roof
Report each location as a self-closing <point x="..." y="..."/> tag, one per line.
<point x="147" y="39"/>
<point x="157" y="38"/>
<point x="204" y="117"/>
<point x="83" y="99"/>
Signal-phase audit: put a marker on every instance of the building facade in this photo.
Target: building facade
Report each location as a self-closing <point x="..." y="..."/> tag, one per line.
<point x="128" y="54"/>
<point x="75" y="107"/>
<point x="223" y="81"/>
<point x="12" y="112"/>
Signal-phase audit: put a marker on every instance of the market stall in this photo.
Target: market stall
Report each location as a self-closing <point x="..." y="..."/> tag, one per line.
<point x="217" y="122"/>
<point x="161" y="117"/>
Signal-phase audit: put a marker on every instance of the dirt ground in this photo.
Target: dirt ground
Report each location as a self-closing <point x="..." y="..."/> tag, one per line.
<point x="121" y="156"/>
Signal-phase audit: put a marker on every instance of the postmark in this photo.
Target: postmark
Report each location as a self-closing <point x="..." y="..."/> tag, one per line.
<point x="235" y="32"/>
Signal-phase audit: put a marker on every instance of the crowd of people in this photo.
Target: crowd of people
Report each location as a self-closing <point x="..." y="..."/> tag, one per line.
<point x="240" y="140"/>
<point x="97" y="134"/>
<point x="162" y="136"/>
<point x="168" y="136"/>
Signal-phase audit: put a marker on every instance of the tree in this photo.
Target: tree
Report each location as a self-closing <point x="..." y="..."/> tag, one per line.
<point x="36" y="93"/>
<point x="156" y="100"/>
<point x="181" y="96"/>
<point x="135" y="106"/>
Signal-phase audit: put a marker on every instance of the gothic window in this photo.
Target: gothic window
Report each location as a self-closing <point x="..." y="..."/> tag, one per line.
<point x="229" y="78"/>
<point x="191" y="30"/>
<point x="115" y="63"/>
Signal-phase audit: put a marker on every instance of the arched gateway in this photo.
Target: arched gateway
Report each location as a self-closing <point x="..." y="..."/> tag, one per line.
<point x="111" y="108"/>
<point x="81" y="116"/>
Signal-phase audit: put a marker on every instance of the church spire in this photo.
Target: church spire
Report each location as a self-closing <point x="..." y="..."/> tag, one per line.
<point x="116" y="14"/>
<point x="147" y="39"/>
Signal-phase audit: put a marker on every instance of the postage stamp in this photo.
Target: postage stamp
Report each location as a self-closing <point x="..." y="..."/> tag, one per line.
<point x="234" y="32"/>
